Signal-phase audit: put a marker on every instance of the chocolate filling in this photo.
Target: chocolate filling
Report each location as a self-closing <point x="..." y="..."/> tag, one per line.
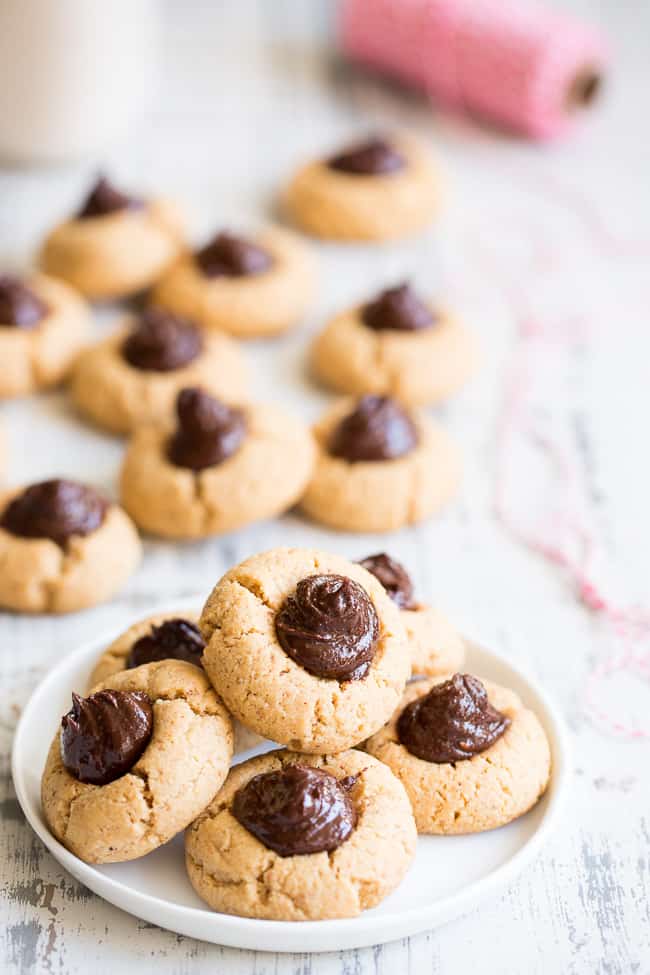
<point x="104" y="735"/>
<point x="175" y="639"/>
<point x="399" y="310"/>
<point x="227" y="255"/>
<point x="393" y="577"/>
<point x="452" y="722"/>
<point x="162" y="342"/>
<point x="329" y="627"/>
<point x="374" y="157"/>
<point x="55" y="509"/>
<point x="20" y="307"/>
<point x="104" y="199"/>
<point x="377" y="429"/>
<point x="296" y="811"/>
<point x="208" y="431"/>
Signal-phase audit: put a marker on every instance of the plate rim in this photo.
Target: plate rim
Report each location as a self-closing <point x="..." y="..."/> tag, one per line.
<point x="327" y="935"/>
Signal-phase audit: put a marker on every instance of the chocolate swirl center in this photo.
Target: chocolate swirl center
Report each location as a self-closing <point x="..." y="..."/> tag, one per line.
<point x="329" y="627"/>
<point x="393" y="577"/>
<point x="208" y="431"/>
<point x="397" y="309"/>
<point x="20" y="307"/>
<point x="454" y="721"/>
<point x="104" y="199"/>
<point x="296" y="811"/>
<point x="174" y="639"/>
<point x="378" y="429"/>
<point x="162" y="342"/>
<point x="230" y="256"/>
<point x="374" y="157"/>
<point x="56" y="510"/>
<point x="104" y="735"/>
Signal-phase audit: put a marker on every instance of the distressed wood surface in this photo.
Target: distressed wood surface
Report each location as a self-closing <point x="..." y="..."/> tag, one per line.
<point x="250" y="88"/>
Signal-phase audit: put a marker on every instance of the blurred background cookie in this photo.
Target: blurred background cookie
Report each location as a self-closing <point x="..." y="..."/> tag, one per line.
<point x="219" y="469"/>
<point x="383" y="187"/>
<point x="133" y="376"/>
<point x="397" y="345"/>
<point x="63" y="547"/>
<point x="115" y="245"/>
<point x="379" y="467"/>
<point x="43" y="325"/>
<point x="253" y="286"/>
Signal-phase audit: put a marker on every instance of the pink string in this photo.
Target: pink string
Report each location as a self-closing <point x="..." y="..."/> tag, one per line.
<point x="587" y="214"/>
<point x="568" y="541"/>
<point x="514" y="63"/>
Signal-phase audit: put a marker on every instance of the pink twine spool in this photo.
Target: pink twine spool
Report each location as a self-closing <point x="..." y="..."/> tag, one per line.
<point x="526" y="68"/>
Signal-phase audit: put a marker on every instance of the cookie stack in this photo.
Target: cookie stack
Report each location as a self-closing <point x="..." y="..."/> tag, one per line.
<point x="314" y="653"/>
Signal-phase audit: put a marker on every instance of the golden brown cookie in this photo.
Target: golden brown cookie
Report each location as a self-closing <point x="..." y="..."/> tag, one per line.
<point x="43" y="325"/>
<point x="163" y="636"/>
<point x="317" y="684"/>
<point x="468" y="795"/>
<point x="435" y="646"/>
<point x="184" y="762"/>
<point x="190" y="481"/>
<point x="379" y="467"/>
<point x="133" y="376"/>
<point x="260" y="286"/>
<point x="237" y="873"/>
<point x="115" y="246"/>
<point x="396" y="345"/>
<point x="63" y="547"/>
<point x="376" y="190"/>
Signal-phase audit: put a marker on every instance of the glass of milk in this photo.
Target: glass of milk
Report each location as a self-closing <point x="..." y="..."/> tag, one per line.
<point x="73" y="75"/>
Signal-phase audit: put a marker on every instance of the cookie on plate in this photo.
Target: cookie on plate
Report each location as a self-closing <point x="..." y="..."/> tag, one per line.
<point x="221" y="468"/>
<point x="470" y="755"/>
<point x="294" y="837"/>
<point x="43" y="324"/>
<point x="136" y="762"/>
<point x="258" y="286"/>
<point x="305" y="648"/>
<point x="379" y="467"/>
<point x="435" y="646"/>
<point x="381" y="188"/>
<point x="116" y="245"/>
<point x="163" y="636"/>
<point x="133" y="376"/>
<point x="63" y="547"/>
<point x="395" y="345"/>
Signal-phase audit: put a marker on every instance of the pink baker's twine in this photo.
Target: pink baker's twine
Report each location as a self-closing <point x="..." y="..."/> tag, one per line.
<point x="510" y="62"/>
<point x="585" y="212"/>
<point x="630" y="626"/>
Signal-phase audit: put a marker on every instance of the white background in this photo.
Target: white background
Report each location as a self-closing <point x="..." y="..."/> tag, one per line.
<point x="249" y="90"/>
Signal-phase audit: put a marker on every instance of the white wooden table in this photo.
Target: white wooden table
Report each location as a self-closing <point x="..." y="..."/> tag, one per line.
<point x="250" y="89"/>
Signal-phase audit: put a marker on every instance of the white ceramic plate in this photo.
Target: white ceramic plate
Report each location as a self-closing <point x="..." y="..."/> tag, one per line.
<point x="449" y="876"/>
